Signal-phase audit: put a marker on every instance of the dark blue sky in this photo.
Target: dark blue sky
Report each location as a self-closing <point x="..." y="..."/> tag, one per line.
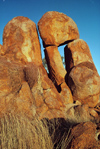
<point x="86" y="14"/>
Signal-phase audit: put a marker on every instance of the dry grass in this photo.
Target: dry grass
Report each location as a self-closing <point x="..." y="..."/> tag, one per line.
<point x="65" y="140"/>
<point x="60" y="132"/>
<point x="18" y="132"/>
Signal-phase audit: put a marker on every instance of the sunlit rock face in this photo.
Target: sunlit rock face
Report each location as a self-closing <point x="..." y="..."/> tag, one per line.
<point x="49" y="102"/>
<point x="21" y="46"/>
<point x="83" y="132"/>
<point x="1" y="48"/>
<point x="56" y="69"/>
<point x="84" y="83"/>
<point x="77" y="52"/>
<point x="83" y="78"/>
<point x="20" y="41"/>
<point x="11" y="77"/>
<point x="27" y="88"/>
<point x="56" y="28"/>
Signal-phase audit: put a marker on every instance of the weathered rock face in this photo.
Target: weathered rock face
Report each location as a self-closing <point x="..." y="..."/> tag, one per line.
<point x="84" y="83"/>
<point x="56" y="69"/>
<point x="77" y="113"/>
<point x="84" y="136"/>
<point x="23" y="102"/>
<point x="56" y="28"/>
<point x="11" y="77"/>
<point x="15" y="94"/>
<point x="20" y="41"/>
<point x="1" y="48"/>
<point x="66" y="94"/>
<point x="77" y="52"/>
<point x="37" y="95"/>
<point x="83" y="79"/>
<point x="35" y="89"/>
<point x="49" y="102"/>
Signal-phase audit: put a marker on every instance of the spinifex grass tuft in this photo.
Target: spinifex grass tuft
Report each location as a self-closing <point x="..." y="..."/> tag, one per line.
<point x="19" y="132"/>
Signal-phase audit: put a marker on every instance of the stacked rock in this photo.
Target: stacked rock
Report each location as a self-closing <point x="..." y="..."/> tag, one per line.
<point x="24" y="82"/>
<point x="21" y="54"/>
<point x="26" y="88"/>
<point x="56" y="29"/>
<point x="83" y="79"/>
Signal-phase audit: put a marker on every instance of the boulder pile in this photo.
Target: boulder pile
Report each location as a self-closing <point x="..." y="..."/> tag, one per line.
<point x="72" y="93"/>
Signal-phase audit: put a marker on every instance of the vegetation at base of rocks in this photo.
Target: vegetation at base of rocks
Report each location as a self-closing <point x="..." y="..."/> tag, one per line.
<point x="20" y="132"/>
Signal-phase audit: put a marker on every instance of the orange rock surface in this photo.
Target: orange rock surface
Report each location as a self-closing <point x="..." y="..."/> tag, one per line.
<point x="56" y="28"/>
<point x="11" y="77"/>
<point x="84" y="136"/>
<point x="20" y="41"/>
<point x="1" y="48"/>
<point x="47" y="98"/>
<point x="15" y="94"/>
<point x="77" y="52"/>
<point x="84" y="83"/>
<point x="56" y="69"/>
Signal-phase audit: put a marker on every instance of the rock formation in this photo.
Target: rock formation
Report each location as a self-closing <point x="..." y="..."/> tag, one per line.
<point x="20" y="41"/>
<point x="56" y="69"/>
<point x="42" y="92"/>
<point x="56" y="28"/>
<point x="83" y="78"/>
<point x="26" y="87"/>
<point x="77" y="52"/>
<point x="82" y="137"/>
<point x="84" y="82"/>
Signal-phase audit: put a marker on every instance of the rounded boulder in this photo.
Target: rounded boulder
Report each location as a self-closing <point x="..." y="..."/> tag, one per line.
<point x="57" y="28"/>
